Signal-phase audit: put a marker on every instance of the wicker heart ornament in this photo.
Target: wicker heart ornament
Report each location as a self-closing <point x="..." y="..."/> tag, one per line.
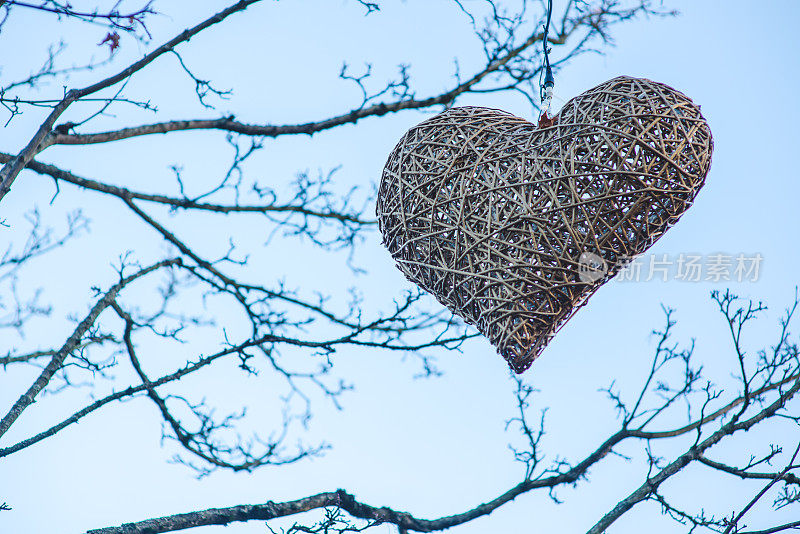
<point x="513" y="227"/>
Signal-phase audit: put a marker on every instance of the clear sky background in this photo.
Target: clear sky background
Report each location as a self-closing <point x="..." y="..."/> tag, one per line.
<point x="436" y="446"/>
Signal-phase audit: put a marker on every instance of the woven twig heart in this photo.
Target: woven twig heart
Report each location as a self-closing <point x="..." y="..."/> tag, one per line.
<point x="495" y="216"/>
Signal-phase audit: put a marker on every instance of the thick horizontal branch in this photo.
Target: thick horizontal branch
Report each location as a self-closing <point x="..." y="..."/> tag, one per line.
<point x="272" y="510"/>
<point x="404" y="520"/>
<point x="231" y="125"/>
<point x="184" y="203"/>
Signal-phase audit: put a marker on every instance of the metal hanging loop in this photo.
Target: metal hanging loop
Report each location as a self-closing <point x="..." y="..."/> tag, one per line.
<point x="546" y="86"/>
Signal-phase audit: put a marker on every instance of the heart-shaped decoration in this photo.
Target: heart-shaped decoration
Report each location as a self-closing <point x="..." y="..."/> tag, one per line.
<point x="513" y="227"/>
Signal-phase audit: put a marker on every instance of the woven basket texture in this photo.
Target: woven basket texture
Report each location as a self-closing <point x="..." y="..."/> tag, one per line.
<point x="513" y="227"/>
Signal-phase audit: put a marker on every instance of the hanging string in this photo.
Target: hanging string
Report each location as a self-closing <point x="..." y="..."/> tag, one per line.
<point x="546" y="86"/>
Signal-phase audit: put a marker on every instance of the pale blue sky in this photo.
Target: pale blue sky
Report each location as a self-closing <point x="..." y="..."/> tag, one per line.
<point x="432" y="447"/>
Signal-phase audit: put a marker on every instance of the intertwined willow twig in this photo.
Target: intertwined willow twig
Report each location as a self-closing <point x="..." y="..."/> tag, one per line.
<point x="495" y="216"/>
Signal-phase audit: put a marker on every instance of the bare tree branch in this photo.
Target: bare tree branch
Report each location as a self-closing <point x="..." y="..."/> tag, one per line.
<point x="183" y="203"/>
<point x="780" y="528"/>
<point x="652" y="483"/>
<point x="72" y="342"/>
<point x="292" y="332"/>
<point x="404" y="520"/>
<point x="790" y="478"/>
<point x="43" y="136"/>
